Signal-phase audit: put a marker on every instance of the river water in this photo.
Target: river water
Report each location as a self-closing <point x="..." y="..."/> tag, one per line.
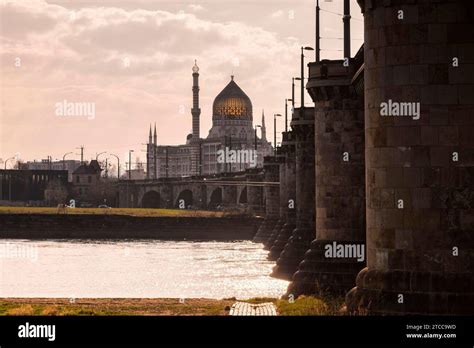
<point x="136" y="268"/>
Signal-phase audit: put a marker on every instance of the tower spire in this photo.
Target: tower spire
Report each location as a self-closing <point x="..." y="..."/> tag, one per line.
<point x="195" y="111"/>
<point x="149" y="136"/>
<point x="264" y="131"/>
<point x="154" y="136"/>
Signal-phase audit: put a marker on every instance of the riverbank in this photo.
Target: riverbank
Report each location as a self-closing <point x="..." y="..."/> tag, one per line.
<point x="126" y="226"/>
<point x="140" y="212"/>
<point x="158" y="306"/>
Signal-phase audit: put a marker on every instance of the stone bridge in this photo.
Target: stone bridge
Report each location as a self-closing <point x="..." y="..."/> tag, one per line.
<point x="243" y="190"/>
<point x="401" y="188"/>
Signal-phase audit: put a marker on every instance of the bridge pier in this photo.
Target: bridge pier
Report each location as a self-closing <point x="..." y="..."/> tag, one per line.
<point x="255" y="197"/>
<point x="299" y="242"/>
<point x="229" y="196"/>
<point x="280" y="160"/>
<point x="420" y="171"/>
<point x="287" y="180"/>
<point x="272" y="201"/>
<point x="340" y="181"/>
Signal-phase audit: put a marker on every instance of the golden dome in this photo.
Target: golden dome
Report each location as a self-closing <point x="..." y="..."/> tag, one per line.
<point x="232" y="102"/>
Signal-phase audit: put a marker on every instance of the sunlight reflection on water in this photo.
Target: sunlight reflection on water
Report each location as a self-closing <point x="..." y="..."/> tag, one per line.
<point x="137" y="268"/>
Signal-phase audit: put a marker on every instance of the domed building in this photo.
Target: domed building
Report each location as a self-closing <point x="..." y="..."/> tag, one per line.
<point x="231" y="145"/>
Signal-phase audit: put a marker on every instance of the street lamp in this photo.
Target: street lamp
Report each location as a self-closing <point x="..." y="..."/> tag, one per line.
<point x="303" y="48"/>
<point x="8" y="160"/>
<point x="275" y="131"/>
<point x="286" y="113"/>
<point x="64" y="159"/>
<point x="130" y="164"/>
<point x="98" y="154"/>
<point x="293" y="91"/>
<point x="118" y="164"/>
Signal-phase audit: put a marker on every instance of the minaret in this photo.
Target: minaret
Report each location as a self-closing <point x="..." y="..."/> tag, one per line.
<point x="195" y="111"/>
<point x="148" y="153"/>
<point x="264" y="130"/>
<point x="155" y="167"/>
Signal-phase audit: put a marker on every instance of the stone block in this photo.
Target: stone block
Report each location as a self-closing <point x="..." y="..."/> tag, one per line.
<point x="461" y="74"/>
<point x="440" y="156"/>
<point x="466" y="94"/>
<point x="446" y="94"/>
<point x="437" y="33"/>
<point x="439" y="115"/>
<point x="419" y="74"/>
<point x="448" y="135"/>
<point x="422" y="198"/>
<point x="411" y="177"/>
<point x="401" y="75"/>
<point x="429" y="135"/>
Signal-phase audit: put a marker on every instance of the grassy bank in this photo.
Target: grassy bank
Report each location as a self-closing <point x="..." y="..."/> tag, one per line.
<point x="136" y="306"/>
<point x="117" y="211"/>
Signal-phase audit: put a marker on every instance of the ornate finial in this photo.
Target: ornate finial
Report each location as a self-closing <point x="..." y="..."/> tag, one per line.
<point x="195" y="67"/>
<point x="232" y="77"/>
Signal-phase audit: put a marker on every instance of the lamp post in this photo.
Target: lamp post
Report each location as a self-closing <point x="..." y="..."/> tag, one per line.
<point x="98" y="154"/>
<point x="7" y="161"/>
<point x="9" y="180"/>
<point x="303" y="48"/>
<point x="64" y="159"/>
<point x="293" y="92"/>
<point x="275" y="131"/>
<point x="130" y="164"/>
<point x="118" y="164"/>
<point x="286" y="113"/>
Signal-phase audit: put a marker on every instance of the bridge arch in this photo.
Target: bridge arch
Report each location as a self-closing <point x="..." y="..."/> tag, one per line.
<point x="243" y="196"/>
<point x="151" y="199"/>
<point x="185" y="196"/>
<point x="216" y="198"/>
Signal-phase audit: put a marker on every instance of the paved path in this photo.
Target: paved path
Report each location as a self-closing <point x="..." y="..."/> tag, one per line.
<point x="244" y="308"/>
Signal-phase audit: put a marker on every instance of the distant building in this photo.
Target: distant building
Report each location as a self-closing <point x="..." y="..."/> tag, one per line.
<point x="231" y="145"/>
<point x="44" y="164"/>
<point x="86" y="180"/>
<point x="135" y="174"/>
<point x="29" y="186"/>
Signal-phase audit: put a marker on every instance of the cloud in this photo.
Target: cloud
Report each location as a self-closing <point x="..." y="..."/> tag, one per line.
<point x="277" y="14"/>
<point x="195" y="7"/>
<point x="133" y="59"/>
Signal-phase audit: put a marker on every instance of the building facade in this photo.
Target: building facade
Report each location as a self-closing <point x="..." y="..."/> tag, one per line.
<point x="86" y="180"/>
<point x="46" y="164"/>
<point x="232" y="144"/>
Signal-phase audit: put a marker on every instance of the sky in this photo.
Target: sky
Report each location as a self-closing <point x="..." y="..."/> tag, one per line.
<point x="130" y="62"/>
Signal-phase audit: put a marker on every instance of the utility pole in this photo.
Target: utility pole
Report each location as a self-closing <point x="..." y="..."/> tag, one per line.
<point x="130" y="164"/>
<point x="293" y="95"/>
<point x="82" y="153"/>
<point x="317" y="32"/>
<point x="286" y="113"/>
<point x="167" y="160"/>
<point x="347" y="29"/>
